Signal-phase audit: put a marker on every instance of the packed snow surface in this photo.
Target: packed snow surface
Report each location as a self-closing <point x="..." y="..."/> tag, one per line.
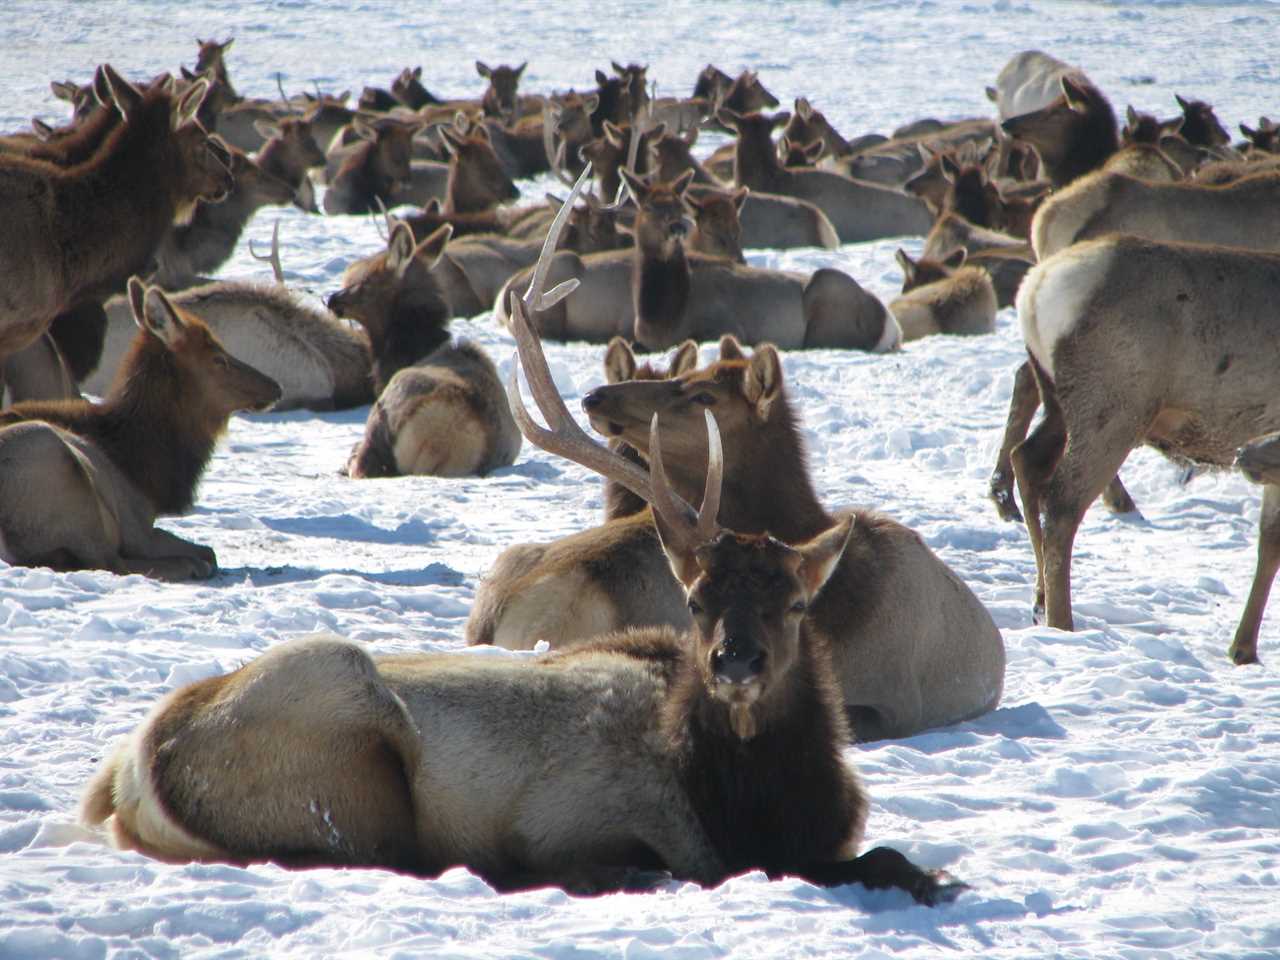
<point x="1123" y="800"/>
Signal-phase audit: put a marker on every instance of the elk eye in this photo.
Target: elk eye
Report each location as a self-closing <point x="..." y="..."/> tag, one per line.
<point x="706" y="399"/>
<point x="798" y="607"/>
<point x="695" y="607"/>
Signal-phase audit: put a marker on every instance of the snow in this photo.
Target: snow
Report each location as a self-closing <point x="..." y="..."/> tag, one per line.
<point x="1122" y="801"/>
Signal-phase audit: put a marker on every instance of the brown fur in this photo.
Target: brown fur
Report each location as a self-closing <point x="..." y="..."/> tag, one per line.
<point x="374" y="170"/>
<point x="943" y="297"/>
<point x="74" y="232"/>
<point x="1073" y="135"/>
<point x="82" y="483"/>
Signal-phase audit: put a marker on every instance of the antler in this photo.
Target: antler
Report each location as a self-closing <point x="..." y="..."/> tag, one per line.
<point x="274" y="257"/>
<point x="565" y="438"/>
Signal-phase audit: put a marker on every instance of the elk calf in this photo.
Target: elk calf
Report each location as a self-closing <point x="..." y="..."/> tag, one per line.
<point x="440" y="410"/>
<point x="943" y="297"/>
<point x="81" y="484"/>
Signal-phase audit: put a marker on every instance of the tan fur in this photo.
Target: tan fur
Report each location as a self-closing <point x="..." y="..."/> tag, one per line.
<point x="1239" y="214"/>
<point x="963" y="303"/>
<point x="312" y="355"/>
<point x="1172" y="344"/>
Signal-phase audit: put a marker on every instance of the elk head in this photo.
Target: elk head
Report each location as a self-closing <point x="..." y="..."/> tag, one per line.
<point x="477" y="179"/>
<point x="1200" y="125"/>
<point x="662" y="214"/>
<point x="500" y="96"/>
<point x="219" y="383"/>
<point x="717" y="230"/>
<point x="918" y="273"/>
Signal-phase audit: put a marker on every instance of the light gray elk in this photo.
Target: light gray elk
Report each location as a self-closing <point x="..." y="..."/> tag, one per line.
<point x="1135" y="341"/>
<point x="943" y="297"/>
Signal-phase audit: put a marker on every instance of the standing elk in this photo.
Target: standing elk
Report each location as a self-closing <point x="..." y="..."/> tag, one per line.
<point x="912" y="646"/>
<point x="81" y="484"/>
<point x="1137" y="341"/>
<point x="660" y="294"/>
<point x="703" y="754"/>
<point x="74" y="232"/>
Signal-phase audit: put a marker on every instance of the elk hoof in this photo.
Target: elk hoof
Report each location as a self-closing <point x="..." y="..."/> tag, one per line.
<point x="1001" y="494"/>
<point x="1241" y="654"/>
<point x="1037" y="614"/>
<point x="938" y="887"/>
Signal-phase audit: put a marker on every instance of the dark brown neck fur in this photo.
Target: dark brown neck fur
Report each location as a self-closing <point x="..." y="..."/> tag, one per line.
<point x="660" y="285"/>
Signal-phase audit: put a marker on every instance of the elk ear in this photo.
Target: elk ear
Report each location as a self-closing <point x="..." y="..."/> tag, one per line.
<point x="907" y="264"/>
<point x="119" y="91"/>
<point x="400" y="248"/>
<point x="601" y="78"/>
<point x="684" y="360"/>
<point x="619" y="361"/>
<point x="613" y="133"/>
<point x="639" y="189"/>
<point x="1184" y="104"/>
<point x="681" y="183"/>
<point x="430" y="250"/>
<point x="819" y="556"/>
<point x="136" y="290"/>
<point x="950" y="169"/>
<point x="992" y="95"/>
<point x="520" y="69"/>
<point x="64" y="90"/>
<point x="1131" y="116"/>
<point x="41" y="129"/>
<point x="187" y="74"/>
<point x="740" y="198"/>
<point x="1249" y="134"/>
<point x="730" y="349"/>
<point x="482" y="68"/>
<point x="803" y="109"/>
<point x="1077" y="100"/>
<point x="956" y="260"/>
<point x="189" y="104"/>
<point x="159" y="318"/>
<point x="417" y="73"/>
<point x="728" y="118"/>
<point x="618" y="68"/>
<point x="266" y="129"/>
<point x="224" y="47"/>
<point x="763" y="382"/>
<point x="589" y="103"/>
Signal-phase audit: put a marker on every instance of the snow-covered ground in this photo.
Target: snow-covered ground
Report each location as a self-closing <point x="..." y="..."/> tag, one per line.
<point x="1124" y="800"/>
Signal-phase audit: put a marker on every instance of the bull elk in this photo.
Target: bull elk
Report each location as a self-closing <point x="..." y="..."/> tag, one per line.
<point x="902" y="665"/>
<point x="74" y="231"/>
<point x="660" y="294"/>
<point x="719" y="751"/>
<point x="1135" y="341"/>
<point x="81" y="484"/>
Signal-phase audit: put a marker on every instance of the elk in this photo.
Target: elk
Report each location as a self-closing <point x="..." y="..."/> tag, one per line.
<point x="674" y="295"/>
<point x="374" y="170"/>
<point x="768" y="220"/>
<point x="318" y="362"/>
<point x="477" y="180"/>
<point x="1030" y="81"/>
<point x="608" y="154"/>
<point x="1074" y="134"/>
<point x="81" y="484"/>
<point x="1264" y="138"/>
<point x="192" y="250"/>
<point x="500" y="100"/>
<point x="440" y="409"/>
<point x="569" y="119"/>
<point x="808" y="125"/>
<point x="289" y="153"/>
<point x="717" y="229"/>
<point x="1198" y="125"/>
<point x="1237" y="214"/>
<point x="943" y="297"/>
<point x="614" y="576"/>
<point x="859" y="211"/>
<point x="1133" y="341"/>
<point x="73" y="232"/>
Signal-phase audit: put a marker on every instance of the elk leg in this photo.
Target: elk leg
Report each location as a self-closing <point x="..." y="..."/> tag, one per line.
<point x="1244" y="648"/>
<point x="1034" y="461"/>
<point x="1117" y="498"/>
<point x="885" y="867"/>
<point x="1022" y="407"/>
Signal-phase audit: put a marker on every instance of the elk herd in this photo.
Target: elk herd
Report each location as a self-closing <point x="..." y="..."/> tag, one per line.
<point x="708" y="664"/>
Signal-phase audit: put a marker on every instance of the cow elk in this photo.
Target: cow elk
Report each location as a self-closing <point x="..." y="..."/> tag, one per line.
<point x="374" y="170"/>
<point x="1137" y="341"/>
<point x="73" y="233"/>
<point x="81" y="484"/>
<point x="660" y="294"/>
<point x="1073" y="135"/>
<point x="943" y="297"/>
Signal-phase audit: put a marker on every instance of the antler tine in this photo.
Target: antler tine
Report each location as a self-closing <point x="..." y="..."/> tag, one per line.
<point x="383" y="228"/>
<point x="703" y="526"/>
<point x="274" y="257"/>
<point x="535" y="298"/>
<point x="557" y="164"/>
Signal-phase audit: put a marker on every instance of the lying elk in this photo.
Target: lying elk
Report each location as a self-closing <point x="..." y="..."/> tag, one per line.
<point x="318" y="362"/>
<point x="500" y="100"/>
<point x="902" y="665"/>
<point x="858" y="210"/>
<point x="441" y="410"/>
<point x="1137" y="341"/>
<point x="81" y="484"/>
<point x="943" y="297"/>
<point x="660" y="294"/>
<point x="291" y="150"/>
<point x="374" y="170"/>
<point x="148" y="173"/>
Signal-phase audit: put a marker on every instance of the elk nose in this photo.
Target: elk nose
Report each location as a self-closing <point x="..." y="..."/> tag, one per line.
<point x="334" y="303"/>
<point x="592" y="401"/>
<point x="737" y="662"/>
<point x="679" y="228"/>
<point x="513" y="192"/>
